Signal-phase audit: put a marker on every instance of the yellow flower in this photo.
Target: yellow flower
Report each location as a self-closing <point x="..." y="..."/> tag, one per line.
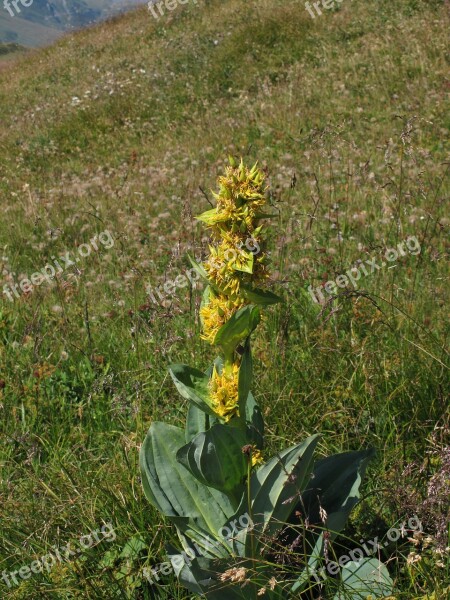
<point x="239" y="201"/>
<point x="216" y="313"/>
<point x="234" y="265"/>
<point x="223" y="390"/>
<point x="257" y="458"/>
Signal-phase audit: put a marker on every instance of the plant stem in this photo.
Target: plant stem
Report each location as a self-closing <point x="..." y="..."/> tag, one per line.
<point x="250" y="508"/>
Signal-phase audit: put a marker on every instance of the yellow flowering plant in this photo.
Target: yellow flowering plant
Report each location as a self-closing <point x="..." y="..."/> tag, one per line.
<point x="210" y="475"/>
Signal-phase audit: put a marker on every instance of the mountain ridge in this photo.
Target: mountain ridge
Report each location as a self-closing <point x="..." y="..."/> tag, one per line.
<point x="43" y="21"/>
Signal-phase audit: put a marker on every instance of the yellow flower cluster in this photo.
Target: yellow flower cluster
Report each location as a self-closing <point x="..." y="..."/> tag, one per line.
<point x="236" y="263"/>
<point x="239" y="200"/>
<point x="216" y="313"/>
<point x="224" y="392"/>
<point x="232" y="262"/>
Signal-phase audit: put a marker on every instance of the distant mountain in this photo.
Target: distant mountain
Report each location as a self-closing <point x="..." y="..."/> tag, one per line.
<point x="45" y="20"/>
<point x="9" y="48"/>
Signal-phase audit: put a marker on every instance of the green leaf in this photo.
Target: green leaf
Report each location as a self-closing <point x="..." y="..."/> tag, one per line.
<point x="260" y="297"/>
<point x="201" y="576"/>
<point x="245" y="377"/>
<point x="200" y="270"/>
<point x="133" y="547"/>
<point x="363" y="579"/>
<point x="275" y="487"/>
<point x="212" y="546"/>
<point x="334" y="487"/>
<point x="196" y="421"/>
<point x="208" y="216"/>
<point x="255" y="422"/>
<point x="172" y="489"/>
<point x="192" y="384"/>
<point x="215" y="458"/>
<point x="247" y="267"/>
<point x="238" y="327"/>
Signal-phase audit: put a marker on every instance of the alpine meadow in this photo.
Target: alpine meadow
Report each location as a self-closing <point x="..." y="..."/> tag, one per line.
<point x="224" y="301"/>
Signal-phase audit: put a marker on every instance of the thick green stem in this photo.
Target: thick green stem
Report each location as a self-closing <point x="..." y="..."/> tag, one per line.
<point x="250" y="508"/>
<point x="228" y="362"/>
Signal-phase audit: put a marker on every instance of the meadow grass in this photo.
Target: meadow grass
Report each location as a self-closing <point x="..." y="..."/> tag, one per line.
<point x="125" y="127"/>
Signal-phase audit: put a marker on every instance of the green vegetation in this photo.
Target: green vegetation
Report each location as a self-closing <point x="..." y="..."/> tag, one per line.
<point x="9" y="48"/>
<point x="123" y="127"/>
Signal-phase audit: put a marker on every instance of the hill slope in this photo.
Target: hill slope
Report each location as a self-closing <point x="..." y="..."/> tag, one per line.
<point x="124" y="127"/>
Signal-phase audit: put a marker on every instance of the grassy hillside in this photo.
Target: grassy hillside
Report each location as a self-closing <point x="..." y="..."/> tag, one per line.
<point x="10" y="48"/>
<point x="124" y="128"/>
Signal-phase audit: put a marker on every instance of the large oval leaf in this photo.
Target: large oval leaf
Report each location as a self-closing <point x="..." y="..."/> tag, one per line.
<point x="172" y="489"/>
<point x="215" y="458"/>
<point x="363" y="579"/>
<point x="276" y="486"/>
<point x="334" y="488"/>
<point x="192" y="385"/>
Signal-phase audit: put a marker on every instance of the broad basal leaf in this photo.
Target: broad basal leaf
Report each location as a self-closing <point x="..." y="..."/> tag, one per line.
<point x="171" y="488"/>
<point x="215" y="458"/>
<point x="363" y="579"/>
<point x="334" y="489"/>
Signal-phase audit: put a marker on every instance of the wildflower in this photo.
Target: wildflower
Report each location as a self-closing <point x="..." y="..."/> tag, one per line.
<point x="44" y="370"/>
<point x="216" y="313"/>
<point x="413" y="558"/>
<point x="257" y="458"/>
<point x="250" y="450"/>
<point x="240" y="198"/>
<point x="223" y="389"/>
<point x="235" y="575"/>
<point x="323" y="514"/>
<point x="231" y="263"/>
<point x="272" y="583"/>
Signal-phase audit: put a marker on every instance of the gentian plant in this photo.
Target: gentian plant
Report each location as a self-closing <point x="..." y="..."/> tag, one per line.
<point x="210" y="477"/>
